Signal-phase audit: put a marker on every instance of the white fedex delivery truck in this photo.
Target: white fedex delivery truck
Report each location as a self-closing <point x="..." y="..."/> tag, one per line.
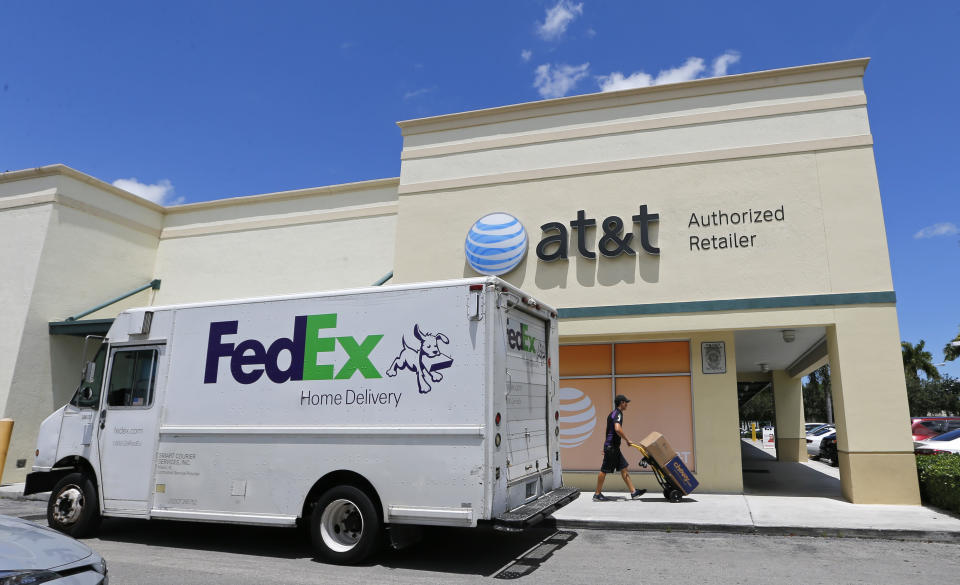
<point x="360" y="413"/>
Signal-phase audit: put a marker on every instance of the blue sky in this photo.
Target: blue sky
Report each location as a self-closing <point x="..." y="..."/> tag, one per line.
<point x="190" y="101"/>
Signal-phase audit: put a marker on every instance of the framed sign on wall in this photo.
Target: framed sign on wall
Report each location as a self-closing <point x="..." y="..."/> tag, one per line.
<point x="714" y="357"/>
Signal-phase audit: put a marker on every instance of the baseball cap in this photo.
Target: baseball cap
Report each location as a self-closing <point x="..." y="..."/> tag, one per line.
<point x="620" y="398"/>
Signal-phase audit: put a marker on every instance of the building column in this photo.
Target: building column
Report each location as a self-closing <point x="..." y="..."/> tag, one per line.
<point x="877" y="464"/>
<point x="788" y="404"/>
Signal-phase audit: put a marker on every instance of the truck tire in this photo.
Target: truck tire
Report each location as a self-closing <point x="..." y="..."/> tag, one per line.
<point x="74" y="507"/>
<point x="345" y="526"/>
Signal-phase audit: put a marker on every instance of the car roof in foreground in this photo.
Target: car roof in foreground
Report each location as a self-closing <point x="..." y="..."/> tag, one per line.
<point x="26" y="545"/>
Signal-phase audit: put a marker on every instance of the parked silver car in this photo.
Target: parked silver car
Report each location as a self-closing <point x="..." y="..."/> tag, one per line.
<point x="34" y="554"/>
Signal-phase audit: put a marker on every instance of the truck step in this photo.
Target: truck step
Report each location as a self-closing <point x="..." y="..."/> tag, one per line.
<point x="529" y="514"/>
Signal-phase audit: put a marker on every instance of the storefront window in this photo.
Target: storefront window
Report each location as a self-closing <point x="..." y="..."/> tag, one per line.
<point x="655" y="376"/>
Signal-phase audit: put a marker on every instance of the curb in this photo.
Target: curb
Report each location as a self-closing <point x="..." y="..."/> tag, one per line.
<point x="12" y="495"/>
<point x="832" y="532"/>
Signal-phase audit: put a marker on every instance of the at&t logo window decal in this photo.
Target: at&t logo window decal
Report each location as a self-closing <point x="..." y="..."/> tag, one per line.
<point x="578" y="417"/>
<point x="496" y="244"/>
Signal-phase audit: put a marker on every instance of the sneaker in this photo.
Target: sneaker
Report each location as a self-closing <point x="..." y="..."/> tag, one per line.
<point x="637" y="493"/>
<point x="600" y="498"/>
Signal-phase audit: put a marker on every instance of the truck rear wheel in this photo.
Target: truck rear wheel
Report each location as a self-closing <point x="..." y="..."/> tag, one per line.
<point x="345" y="527"/>
<point x="73" y="507"/>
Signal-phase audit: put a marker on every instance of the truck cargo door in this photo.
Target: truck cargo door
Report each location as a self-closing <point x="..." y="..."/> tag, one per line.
<point x="526" y="415"/>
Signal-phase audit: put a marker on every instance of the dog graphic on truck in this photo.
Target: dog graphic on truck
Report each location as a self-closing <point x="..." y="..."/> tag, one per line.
<point x="424" y="361"/>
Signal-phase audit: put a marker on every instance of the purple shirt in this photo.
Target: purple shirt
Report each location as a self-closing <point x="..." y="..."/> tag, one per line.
<point x="613" y="439"/>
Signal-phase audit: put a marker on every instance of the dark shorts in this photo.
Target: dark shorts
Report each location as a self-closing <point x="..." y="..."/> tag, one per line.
<point x="613" y="460"/>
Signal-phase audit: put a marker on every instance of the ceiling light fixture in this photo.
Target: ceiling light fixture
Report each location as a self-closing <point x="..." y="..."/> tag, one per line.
<point x="789" y="335"/>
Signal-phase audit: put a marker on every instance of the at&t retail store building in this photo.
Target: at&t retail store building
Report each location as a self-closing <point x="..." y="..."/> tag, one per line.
<point x="694" y="237"/>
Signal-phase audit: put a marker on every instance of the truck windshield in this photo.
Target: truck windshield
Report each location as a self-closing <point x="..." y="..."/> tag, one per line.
<point x="78" y="400"/>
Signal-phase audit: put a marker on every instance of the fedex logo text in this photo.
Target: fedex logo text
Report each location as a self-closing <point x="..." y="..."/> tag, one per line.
<point x="304" y="348"/>
<point x="520" y="340"/>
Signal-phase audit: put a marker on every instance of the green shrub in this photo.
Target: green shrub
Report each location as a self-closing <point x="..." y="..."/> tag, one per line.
<point x="940" y="480"/>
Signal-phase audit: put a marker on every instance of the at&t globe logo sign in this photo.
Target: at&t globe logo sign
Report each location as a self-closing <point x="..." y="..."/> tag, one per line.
<point x="496" y="244"/>
<point x="578" y="417"/>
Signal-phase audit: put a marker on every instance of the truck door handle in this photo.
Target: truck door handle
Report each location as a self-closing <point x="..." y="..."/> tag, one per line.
<point x="103" y="419"/>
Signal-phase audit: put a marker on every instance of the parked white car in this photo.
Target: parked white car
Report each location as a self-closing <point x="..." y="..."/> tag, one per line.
<point x="810" y="427"/>
<point x="814" y="438"/>
<point x="945" y="443"/>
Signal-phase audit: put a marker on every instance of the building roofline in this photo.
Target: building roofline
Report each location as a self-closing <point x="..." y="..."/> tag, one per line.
<point x="283" y="195"/>
<point x="65" y="171"/>
<point x="614" y="98"/>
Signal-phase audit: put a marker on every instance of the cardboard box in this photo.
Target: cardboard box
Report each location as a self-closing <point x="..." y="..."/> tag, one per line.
<point x="663" y="454"/>
<point x="658" y="447"/>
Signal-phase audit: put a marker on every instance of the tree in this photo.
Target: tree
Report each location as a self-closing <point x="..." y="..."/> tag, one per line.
<point x="817" y="403"/>
<point x="950" y="351"/>
<point x="916" y="360"/>
<point x="760" y="407"/>
<point x="934" y="397"/>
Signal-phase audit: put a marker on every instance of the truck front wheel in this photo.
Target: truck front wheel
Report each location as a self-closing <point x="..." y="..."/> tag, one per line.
<point x="73" y="507"/>
<point x="345" y="527"/>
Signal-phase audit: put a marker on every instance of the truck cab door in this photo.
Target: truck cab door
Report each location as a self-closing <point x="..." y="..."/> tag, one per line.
<point x="128" y="428"/>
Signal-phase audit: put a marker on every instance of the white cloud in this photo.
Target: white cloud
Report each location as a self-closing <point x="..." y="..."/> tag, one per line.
<point x="721" y="63"/>
<point x="693" y="68"/>
<point x="558" y="19"/>
<point x="526" y="55"/>
<point x="160" y="192"/>
<point x="554" y="81"/>
<point x="937" y="229"/>
<point x="616" y="81"/>
<point x="416" y="92"/>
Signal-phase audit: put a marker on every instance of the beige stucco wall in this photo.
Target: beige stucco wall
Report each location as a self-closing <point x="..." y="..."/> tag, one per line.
<point x="790" y="432"/>
<point x="282" y="243"/>
<point x="799" y="140"/>
<point x="81" y="244"/>
<point x="794" y="257"/>
<point x="21" y="230"/>
<point x="873" y="425"/>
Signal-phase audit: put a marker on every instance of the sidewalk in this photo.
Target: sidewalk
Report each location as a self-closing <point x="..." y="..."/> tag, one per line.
<point x="14" y="491"/>
<point x="779" y="498"/>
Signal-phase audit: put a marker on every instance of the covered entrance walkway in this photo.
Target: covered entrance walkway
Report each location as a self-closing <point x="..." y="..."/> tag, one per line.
<point x="763" y="475"/>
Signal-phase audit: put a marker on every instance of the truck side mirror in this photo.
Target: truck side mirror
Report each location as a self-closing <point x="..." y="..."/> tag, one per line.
<point x="89" y="372"/>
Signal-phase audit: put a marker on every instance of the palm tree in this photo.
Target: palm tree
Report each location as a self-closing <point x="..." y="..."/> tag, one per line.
<point x="916" y="360"/>
<point x="951" y="351"/>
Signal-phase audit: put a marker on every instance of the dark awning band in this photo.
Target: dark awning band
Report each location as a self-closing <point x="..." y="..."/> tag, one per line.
<point x="80" y="328"/>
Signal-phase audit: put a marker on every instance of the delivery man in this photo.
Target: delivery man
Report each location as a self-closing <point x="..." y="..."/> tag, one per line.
<point x="613" y="459"/>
